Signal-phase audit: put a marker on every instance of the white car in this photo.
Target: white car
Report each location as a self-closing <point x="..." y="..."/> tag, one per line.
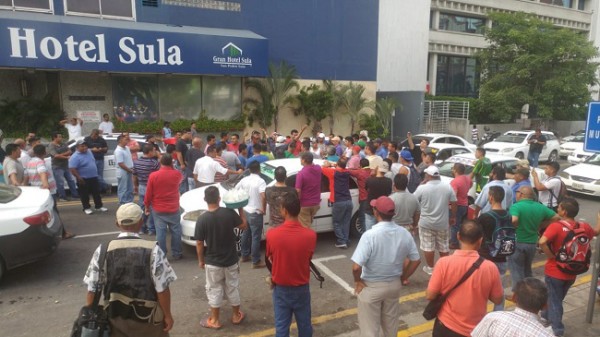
<point x="514" y="144"/>
<point x="468" y="159"/>
<point x="579" y="156"/>
<point x="193" y="203"/>
<point x="568" y="148"/>
<point x="30" y="229"/>
<point x="572" y="136"/>
<point x="440" y="138"/>
<point x="585" y="177"/>
<point x="445" y="151"/>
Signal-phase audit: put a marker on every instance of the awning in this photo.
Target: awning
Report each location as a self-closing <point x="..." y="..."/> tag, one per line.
<point x="43" y="41"/>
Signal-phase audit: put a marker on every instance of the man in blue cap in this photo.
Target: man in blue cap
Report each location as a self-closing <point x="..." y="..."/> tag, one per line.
<point x="409" y="170"/>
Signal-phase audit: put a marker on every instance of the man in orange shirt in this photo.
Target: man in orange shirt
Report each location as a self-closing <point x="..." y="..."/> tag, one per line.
<point x="467" y="304"/>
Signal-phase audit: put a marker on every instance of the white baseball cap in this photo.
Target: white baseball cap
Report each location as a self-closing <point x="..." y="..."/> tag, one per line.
<point x="432" y="171"/>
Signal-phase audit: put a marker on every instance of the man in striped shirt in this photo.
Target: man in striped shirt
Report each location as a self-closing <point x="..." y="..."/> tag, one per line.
<point x="141" y="171"/>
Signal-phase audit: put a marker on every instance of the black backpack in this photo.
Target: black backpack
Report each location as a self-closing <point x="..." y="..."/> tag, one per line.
<point x="414" y="178"/>
<point x="504" y="238"/>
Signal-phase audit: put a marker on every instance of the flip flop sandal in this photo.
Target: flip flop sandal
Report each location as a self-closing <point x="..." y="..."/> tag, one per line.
<point x="242" y="316"/>
<point x="205" y="323"/>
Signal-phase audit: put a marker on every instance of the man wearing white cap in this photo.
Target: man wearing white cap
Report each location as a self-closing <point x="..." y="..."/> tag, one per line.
<point x="379" y="272"/>
<point x="434" y="197"/>
<point x="136" y="280"/>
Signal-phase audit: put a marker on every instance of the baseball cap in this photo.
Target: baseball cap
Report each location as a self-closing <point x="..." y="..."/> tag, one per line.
<point x="523" y="163"/>
<point x="356" y="148"/>
<point x="361" y="144"/>
<point x="321" y="135"/>
<point x="406" y="155"/>
<point x="80" y="142"/>
<point x="280" y="139"/>
<point x="129" y="214"/>
<point x="432" y="171"/>
<point x="384" y="205"/>
<point x="384" y="168"/>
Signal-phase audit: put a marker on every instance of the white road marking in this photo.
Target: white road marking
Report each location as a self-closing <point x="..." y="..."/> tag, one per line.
<point x="95" y="234"/>
<point x="319" y="264"/>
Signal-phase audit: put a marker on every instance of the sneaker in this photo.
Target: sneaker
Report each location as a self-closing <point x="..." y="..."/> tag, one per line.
<point x="101" y="209"/>
<point x="258" y="265"/>
<point x="342" y="246"/>
<point x="177" y="258"/>
<point x="428" y="270"/>
<point x="245" y="259"/>
<point x="88" y="211"/>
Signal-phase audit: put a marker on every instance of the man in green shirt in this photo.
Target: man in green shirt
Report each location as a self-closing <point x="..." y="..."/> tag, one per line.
<point x="481" y="170"/>
<point x="527" y="216"/>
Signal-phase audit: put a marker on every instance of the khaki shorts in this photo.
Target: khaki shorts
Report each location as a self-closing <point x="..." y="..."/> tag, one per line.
<point x="434" y="239"/>
<point x="307" y="215"/>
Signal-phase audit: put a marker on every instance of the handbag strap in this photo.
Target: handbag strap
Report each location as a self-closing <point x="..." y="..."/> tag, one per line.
<point x="99" y="284"/>
<point x="470" y="272"/>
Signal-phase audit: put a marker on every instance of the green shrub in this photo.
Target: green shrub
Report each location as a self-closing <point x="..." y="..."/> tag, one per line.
<point x="179" y="125"/>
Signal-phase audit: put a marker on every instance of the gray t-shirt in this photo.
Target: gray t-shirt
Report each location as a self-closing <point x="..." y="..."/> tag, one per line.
<point x="406" y="206"/>
<point x="12" y="166"/>
<point x="231" y="159"/>
<point x="434" y="198"/>
<point x="53" y="150"/>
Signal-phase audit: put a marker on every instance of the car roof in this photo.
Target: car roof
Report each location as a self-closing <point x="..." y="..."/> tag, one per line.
<point x="291" y="165"/>
<point x="434" y="135"/>
<point x="441" y="146"/>
<point x="526" y="132"/>
<point x="470" y="157"/>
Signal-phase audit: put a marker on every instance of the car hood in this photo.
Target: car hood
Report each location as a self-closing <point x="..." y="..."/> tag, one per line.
<point x="572" y="145"/>
<point x="194" y="199"/>
<point x="501" y="145"/>
<point x="30" y="197"/>
<point x="584" y="170"/>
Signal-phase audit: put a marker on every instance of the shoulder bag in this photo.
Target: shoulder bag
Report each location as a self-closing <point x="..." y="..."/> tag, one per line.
<point x="434" y="306"/>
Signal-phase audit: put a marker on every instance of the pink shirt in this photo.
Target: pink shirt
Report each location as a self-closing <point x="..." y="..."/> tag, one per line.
<point x="461" y="186"/>
<point x="308" y="181"/>
<point x="467" y="304"/>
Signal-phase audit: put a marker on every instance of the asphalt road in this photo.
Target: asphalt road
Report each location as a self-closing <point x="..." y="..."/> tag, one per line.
<point x="42" y="299"/>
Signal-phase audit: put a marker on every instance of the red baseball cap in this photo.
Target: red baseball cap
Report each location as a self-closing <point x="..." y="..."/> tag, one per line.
<point x="384" y="205"/>
<point x="356" y="148"/>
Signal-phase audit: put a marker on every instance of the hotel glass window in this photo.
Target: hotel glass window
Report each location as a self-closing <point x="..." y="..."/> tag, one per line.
<point x="27" y="5"/>
<point x="113" y="9"/>
<point x="461" y="24"/>
<point x="457" y="76"/>
<point x="561" y="3"/>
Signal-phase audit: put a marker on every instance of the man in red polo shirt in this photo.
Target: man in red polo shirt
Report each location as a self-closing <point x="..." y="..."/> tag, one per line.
<point x="162" y="196"/>
<point x="290" y="248"/>
<point x="361" y="175"/>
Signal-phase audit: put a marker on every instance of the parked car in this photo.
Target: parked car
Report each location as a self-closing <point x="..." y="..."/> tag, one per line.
<point x="579" y="156"/>
<point x="573" y="135"/>
<point x="585" y="177"/>
<point x="468" y="159"/>
<point x="514" y="144"/>
<point x="30" y="229"/>
<point x="193" y="203"/>
<point x="445" y="151"/>
<point x="440" y="138"/>
<point x="568" y="148"/>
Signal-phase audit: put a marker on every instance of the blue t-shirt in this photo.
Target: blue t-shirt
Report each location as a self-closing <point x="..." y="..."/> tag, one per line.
<point x="84" y="163"/>
<point x="516" y="187"/>
<point x="261" y="158"/>
<point x="243" y="160"/>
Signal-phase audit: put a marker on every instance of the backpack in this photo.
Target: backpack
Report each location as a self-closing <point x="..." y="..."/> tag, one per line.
<point x="414" y="179"/>
<point x="574" y="255"/>
<point x="562" y="193"/>
<point x="504" y="238"/>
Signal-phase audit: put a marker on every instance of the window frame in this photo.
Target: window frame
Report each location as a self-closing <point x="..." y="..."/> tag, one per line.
<point x="101" y="16"/>
<point x="453" y="16"/>
<point x="29" y="9"/>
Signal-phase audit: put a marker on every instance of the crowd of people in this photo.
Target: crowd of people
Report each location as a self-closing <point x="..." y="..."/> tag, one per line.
<point x="403" y="204"/>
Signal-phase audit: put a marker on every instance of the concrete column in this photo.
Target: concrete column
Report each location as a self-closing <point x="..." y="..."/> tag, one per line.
<point x="436" y="20"/>
<point x="432" y="72"/>
<point x="575" y="4"/>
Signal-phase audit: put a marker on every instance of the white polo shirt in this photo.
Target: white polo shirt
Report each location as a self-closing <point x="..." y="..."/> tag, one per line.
<point x="205" y="169"/>
<point x="74" y="130"/>
<point x="254" y="185"/>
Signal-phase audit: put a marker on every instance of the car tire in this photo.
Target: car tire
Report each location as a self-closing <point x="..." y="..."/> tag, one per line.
<point x="520" y="155"/>
<point x="553" y="157"/>
<point x="356" y="228"/>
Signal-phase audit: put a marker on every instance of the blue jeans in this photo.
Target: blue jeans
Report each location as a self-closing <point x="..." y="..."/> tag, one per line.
<point x="148" y="219"/>
<point x="361" y="212"/>
<point x="59" y="174"/>
<point x="183" y="186"/>
<point x="520" y="262"/>
<point x="125" y="188"/>
<point x="164" y="222"/>
<point x="370" y="221"/>
<point x="288" y="301"/>
<point x="502" y="270"/>
<point x="191" y="184"/>
<point x="100" y="167"/>
<point x="557" y="290"/>
<point x="341" y="214"/>
<point x="252" y="235"/>
<point x="461" y="212"/>
<point x="533" y="158"/>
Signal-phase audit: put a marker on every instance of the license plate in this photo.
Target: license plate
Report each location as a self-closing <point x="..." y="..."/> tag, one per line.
<point x="577" y="186"/>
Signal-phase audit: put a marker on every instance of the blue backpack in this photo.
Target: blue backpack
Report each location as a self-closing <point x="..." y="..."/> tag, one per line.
<point x="504" y="238"/>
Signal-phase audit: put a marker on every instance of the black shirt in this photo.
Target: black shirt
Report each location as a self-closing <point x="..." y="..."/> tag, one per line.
<point x="488" y="223"/>
<point x="191" y="156"/>
<point x="535" y="147"/>
<point x="416" y="153"/>
<point x="377" y="187"/>
<point x="216" y="230"/>
<point x="181" y="147"/>
<point x="98" y="142"/>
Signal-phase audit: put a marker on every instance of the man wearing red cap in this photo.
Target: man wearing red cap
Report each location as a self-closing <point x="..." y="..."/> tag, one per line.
<point x="354" y="161"/>
<point x="378" y="271"/>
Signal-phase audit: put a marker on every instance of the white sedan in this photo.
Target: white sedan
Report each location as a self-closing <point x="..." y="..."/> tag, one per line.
<point x="579" y="156"/>
<point x="514" y="144"/>
<point x="30" y="229"/>
<point x="445" y="151"/>
<point x="439" y="138"/>
<point x="193" y="203"/>
<point x="585" y="177"/>
<point x="568" y="148"/>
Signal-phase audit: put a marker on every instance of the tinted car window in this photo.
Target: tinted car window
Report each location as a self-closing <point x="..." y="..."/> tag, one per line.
<point x="510" y="166"/>
<point x="454" y="140"/>
<point x="460" y="151"/>
<point x="8" y="193"/>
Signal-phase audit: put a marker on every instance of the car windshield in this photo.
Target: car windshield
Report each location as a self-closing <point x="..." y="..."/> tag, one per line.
<point x="511" y="138"/>
<point x="594" y="160"/>
<point x="416" y="140"/>
<point x="578" y="139"/>
<point x="267" y="173"/>
<point x="446" y="168"/>
<point x="8" y="193"/>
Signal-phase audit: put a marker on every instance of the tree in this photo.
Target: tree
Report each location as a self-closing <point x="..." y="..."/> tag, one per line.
<point x="315" y="104"/>
<point x="274" y="94"/>
<point x="39" y="115"/>
<point x="384" y="108"/>
<point x="353" y="102"/>
<point x="530" y="61"/>
<point x="336" y="95"/>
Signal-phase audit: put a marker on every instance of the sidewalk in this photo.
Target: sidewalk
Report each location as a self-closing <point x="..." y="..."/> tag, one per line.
<point x="575" y="307"/>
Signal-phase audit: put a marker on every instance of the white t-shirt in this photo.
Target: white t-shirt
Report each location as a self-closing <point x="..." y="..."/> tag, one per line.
<point x="434" y="198"/>
<point x="551" y="183"/>
<point x="106" y="127"/>
<point x="254" y="185"/>
<point x="205" y="169"/>
<point x="74" y="130"/>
